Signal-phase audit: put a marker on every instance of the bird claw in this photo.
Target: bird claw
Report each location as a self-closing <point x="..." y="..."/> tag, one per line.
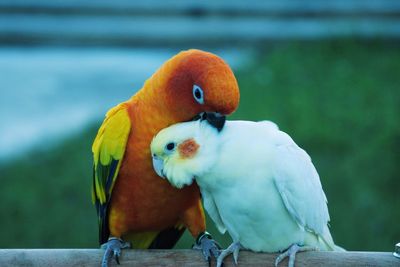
<point x="233" y="248"/>
<point x="208" y="246"/>
<point x="291" y="253"/>
<point x="113" y="250"/>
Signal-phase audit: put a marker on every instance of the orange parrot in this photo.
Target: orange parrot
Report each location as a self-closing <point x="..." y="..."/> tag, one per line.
<point x="132" y="203"/>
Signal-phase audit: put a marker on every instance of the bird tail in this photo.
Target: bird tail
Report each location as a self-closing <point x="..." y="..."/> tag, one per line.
<point x="337" y="248"/>
<point x="328" y="241"/>
<point x="165" y="239"/>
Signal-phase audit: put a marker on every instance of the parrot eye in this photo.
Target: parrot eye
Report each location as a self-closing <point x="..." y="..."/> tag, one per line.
<point x="169" y="147"/>
<point x="198" y="94"/>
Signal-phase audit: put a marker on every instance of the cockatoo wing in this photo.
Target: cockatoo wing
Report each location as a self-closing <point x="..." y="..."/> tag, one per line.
<point x="300" y="187"/>
<point x="212" y="210"/>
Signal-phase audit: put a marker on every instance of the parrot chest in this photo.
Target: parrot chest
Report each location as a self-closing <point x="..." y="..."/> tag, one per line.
<point x="142" y="201"/>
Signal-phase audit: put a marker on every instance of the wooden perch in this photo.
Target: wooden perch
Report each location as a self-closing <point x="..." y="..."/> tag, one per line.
<point x="186" y="257"/>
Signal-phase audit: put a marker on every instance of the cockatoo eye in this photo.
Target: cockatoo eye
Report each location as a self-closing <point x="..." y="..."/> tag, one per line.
<point x="170" y="147"/>
<point x="198" y="94"/>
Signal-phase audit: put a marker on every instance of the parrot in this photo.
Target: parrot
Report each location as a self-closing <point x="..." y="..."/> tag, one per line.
<point x="256" y="183"/>
<point x="134" y="207"/>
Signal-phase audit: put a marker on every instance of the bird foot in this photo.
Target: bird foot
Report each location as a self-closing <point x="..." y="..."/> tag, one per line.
<point x="291" y="253"/>
<point x="113" y="249"/>
<point x="233" y="248"/>
<point x="208" y="246"/>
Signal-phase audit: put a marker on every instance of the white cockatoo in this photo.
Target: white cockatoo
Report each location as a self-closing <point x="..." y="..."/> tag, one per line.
<point x="256" y="183"/>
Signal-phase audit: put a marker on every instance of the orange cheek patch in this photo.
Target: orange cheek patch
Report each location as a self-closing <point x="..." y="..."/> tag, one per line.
<point x="188" y="148"/>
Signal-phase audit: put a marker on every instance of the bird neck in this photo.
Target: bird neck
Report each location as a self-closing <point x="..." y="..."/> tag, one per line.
<point x="209" y="155"/>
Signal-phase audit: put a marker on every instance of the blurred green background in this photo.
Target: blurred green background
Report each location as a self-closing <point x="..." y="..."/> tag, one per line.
<point x="339" y="100"/>
<point x="327" y="72"/>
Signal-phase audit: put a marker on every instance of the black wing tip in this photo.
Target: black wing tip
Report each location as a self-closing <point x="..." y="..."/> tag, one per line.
<point x="167" y="238"/>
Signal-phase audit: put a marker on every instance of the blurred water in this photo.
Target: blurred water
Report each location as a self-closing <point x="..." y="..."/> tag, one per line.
<point x="48" y="93"/>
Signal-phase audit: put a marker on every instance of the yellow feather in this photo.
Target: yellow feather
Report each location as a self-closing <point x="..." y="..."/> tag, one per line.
<point x="141" y="240"/>
<point x="110" y="144"/>
<point x="100" y="191"/>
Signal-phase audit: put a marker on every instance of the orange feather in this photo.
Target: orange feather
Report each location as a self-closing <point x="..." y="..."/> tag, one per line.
<point x="140" y="200"/>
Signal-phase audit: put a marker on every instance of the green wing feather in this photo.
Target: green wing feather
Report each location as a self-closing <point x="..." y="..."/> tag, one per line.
<point x="108" y="151"/>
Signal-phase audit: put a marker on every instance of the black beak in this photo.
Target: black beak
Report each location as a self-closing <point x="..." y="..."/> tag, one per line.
<point x="215" y="119"/>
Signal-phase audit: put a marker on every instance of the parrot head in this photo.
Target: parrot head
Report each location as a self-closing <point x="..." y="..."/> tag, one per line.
<point x="196" y="81"/>
<point x="186" y="150"/>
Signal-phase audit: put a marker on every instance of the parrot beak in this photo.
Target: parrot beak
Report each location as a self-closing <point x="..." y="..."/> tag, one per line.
<point x="158" y="164"/>
<point x="215" y="119"/>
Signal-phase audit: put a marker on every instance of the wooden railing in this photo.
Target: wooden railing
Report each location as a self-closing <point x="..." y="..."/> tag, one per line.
<point x="92" y="257"/>
<point x="122" y="22"/>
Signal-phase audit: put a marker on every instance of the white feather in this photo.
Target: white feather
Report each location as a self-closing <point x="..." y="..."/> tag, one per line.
<point x="256" y="183"/>
<point x="212" y="210"/>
